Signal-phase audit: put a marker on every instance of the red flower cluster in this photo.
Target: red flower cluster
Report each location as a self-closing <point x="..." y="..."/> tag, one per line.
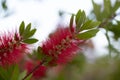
<point x="11" y="49"/>
<point x="37" y="74"/>
<point x="61" y="46"/>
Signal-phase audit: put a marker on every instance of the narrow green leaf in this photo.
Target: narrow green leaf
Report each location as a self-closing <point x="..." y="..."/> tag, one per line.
<point x="107" y="7"/>
<point x="80" y="19"/>
<point x="15" y="73"/>
<point x="89" y="25"/>
<point x="30" y="41"/>
<point x="22" y="28"/>
<point x="28" y="27"/>
<point x="9" y="71"/>
<point x="22" y="75"/>
<point x="77" y="16"/>
<point x="97" y="11"/>
<point x="88" y="34"/>
<point x="3" y="73"/>
<point x="6" y="72"/>
<point x="71" y="22"/>
<point x="86" y="25"/>
<point x="26" y="31"/>
<point x="40" y="54"/>
<point x="30" y="34"/>
<point x="116" y="6"/>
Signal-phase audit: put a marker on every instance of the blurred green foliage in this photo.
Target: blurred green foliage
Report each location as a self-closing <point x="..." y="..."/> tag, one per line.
<point x="4" y="5"/>
<point x="26" y="33"/>
<point x="115" y="28"/>
<point x="103" y="68"/>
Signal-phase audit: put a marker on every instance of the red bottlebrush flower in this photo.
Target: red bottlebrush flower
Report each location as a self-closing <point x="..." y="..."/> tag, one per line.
<point x="61" y="46"/>
<point x="11" y="49"/>
<point x="37" y="74"/>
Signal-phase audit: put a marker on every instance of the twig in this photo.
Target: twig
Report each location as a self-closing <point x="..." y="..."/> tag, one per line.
<point x="109" y="18"/>
<point x="41" y="63"/>
<point x="109" y="43"/>
<point x="107" y="36"/>
<point x="106" y="21"/>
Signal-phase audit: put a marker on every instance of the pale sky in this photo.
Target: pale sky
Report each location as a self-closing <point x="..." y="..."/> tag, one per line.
<point x="43" y="14"/>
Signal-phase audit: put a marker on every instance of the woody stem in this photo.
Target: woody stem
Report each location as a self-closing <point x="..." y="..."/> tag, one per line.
<point x="41" y="63"/>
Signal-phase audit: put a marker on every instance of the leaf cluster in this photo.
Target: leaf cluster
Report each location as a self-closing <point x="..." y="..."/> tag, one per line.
<point x="12" y="73"/>
<point x="85" y="28"/>
<point x="106" y="14"/>
<point x="26" y="33"/>
<point x="115" y="28"/>
<point x="105" y="11"/>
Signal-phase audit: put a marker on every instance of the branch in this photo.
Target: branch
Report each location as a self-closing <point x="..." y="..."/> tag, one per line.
<point x="109" y="18"/>
<point x="109" y="43"/>
<point x="41" y="63"/>
<point x="106" y="21"/>
<point x="107" y="36"/>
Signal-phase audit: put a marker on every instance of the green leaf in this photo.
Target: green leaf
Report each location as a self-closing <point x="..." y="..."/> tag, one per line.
<point x="97" y="11"/>
<point x="3" y="73"/>
<point x="9" y="71"/>
<point x="22" y="28"/>
<point x="71" y="21"/>
<point x="30" y="34"/>
<point x="28" y="27"/>
<point x="80" y="19"/>
<point x="40" y="55"/>
<point x="107" y="7"/>
<point x="88" y="34"/>
<point x="77" y="16"/>
<point x="15" y="73"/>
<point x="22" y="75"/>
<point x="115" y="29"/>
<point x="89" y="25"/>
<point x="30" y="41"/>
<point x="116" y="6"/>
<point x="26" y="31"/>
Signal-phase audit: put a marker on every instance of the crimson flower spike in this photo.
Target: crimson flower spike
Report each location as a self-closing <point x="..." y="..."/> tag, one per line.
<point x="61" y="46"/>
<point x="11" y="49"/>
